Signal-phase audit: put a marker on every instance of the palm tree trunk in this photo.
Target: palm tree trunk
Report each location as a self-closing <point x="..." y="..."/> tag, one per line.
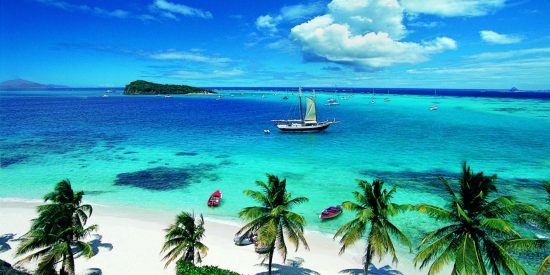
<point x="63" y="264"/>
<point x="270" y="258"/>
<point x="368" y="259"/>
<point x="70" y="258"/>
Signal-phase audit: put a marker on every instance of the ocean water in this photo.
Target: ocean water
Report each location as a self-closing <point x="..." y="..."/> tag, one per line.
<point x="172" y="153"/>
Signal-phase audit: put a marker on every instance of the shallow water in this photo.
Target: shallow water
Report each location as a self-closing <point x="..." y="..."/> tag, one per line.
<point x="172" y="153"/>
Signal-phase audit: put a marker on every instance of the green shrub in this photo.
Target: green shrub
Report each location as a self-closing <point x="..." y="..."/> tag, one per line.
<point x="186" y="268"/>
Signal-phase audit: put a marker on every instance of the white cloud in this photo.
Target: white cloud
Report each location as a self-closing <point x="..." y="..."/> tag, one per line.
<point x="291" y="14"/>
<point x="364" y="34"/>
<point x="190" y="56"/>
<point x="187" y="74"/>
<point x="509" y="54"/>
<point x="526" y="67"/>
<point x="118" y="13"/>
<point x="267" y="22"/>
<point x="497" y="38"/>
<point x="450" y="8"/>
<point x="168" y="10"/>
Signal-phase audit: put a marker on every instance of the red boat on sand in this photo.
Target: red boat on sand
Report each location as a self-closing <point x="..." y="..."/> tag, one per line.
<point x="215" y="198"/>
<point x="331" y="212"/>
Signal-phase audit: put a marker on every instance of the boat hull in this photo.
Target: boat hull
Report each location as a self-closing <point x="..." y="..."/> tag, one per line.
<point x="215" y="199"/>
<point x="301" y="128"/>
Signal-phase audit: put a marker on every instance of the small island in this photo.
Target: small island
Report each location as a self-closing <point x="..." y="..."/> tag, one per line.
<point x="141" y="87"/>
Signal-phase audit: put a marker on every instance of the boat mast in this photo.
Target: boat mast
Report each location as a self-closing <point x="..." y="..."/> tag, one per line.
<point x="300" y="99"/>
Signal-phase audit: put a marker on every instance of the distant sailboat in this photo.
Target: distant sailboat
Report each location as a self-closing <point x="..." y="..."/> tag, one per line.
<point x="434" y="107"/>
<point x="387" y="99"/>
<point x="307" y="123"/>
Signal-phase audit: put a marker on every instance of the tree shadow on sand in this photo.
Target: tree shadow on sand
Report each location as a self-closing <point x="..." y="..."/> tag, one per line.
<point x="97" y="242"/>
<point x="4" y="239"/>
<point x="293" y="267"/>
<point x="385" y="270"/>
<point x="93" y="271"/>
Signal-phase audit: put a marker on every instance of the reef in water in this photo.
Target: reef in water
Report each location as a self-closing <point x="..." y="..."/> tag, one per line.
<point x="186" y="154"/>
<point x="6" y="161"/>
<point x="167" y="178"/>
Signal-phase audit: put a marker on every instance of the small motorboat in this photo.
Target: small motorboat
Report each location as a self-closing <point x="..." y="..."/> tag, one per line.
<point x="331" y="212"/>
<point x="167" y="96"/>
<point x="331" y="102"/>
<point x="433" y="108"/>
<point x="215" y="198"/>
<point x="267" y="131"/>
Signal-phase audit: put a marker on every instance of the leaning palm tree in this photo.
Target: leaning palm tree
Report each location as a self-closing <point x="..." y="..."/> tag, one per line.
<point x="183" y="240"/>
<point x="272" y="219"/>
<point x="372" y="219"/>
<point x="59" y="227"/>
<point x="478" y="236"/>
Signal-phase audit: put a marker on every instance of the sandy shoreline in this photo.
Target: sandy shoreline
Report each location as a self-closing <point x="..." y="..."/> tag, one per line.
<point x="129" y="240"/>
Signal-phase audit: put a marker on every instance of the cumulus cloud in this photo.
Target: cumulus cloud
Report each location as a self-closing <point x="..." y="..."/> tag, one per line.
<point x="497" y="38"/>
<point x="169" y="10"/>
<point x="290" y="14"/>
<point x="450" y="8"/>
<point x="364" y="34"/>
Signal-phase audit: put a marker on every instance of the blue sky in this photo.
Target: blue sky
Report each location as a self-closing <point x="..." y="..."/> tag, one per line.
<point x="355" y="43"/>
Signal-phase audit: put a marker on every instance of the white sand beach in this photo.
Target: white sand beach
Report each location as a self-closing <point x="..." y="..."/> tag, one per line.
<point x="128" y="241"/>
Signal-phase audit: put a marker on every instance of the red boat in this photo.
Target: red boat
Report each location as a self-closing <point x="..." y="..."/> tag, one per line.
<point x="215" y="198"/>
<point x="331" y="212"/>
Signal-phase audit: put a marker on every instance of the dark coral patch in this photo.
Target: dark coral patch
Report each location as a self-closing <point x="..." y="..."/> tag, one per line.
<point x="6" y="161"/>
<point x="186" y="154"/>
<point x="224" y="156"/>
<point x="130" y="152"/>
<point x="167" y="178"/>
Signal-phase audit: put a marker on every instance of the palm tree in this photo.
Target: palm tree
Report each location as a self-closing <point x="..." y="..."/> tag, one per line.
<point x="478" y="236"/>
<point x="272" y="220"/>
<point x="545" y="214"/>
<point x="60" y="225"/>
<point x="183" y="239"/>
<point x="373" y="210"/>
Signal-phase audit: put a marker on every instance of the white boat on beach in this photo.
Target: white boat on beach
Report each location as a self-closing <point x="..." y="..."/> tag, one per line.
<point x="306" y="123"/>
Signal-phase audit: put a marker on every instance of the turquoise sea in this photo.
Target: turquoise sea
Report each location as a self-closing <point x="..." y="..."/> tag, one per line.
<point x="172" y="153"/>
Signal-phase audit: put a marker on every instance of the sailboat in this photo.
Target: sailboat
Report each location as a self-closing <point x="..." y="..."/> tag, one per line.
<point x="307" y="123"/>
<point x="434" y="107"/>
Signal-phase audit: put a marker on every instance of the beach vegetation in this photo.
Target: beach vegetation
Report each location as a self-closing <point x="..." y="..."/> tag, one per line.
<point x="186" y="268"/>
<point x="183" y="240"/>
<point x="272" y="220"/>
<point x="7" y="269"/>
<point x="58" y="231"/>
<point x="373" y="209"/>
<point x="477" y="237"/>
<point x="141" y="87"/>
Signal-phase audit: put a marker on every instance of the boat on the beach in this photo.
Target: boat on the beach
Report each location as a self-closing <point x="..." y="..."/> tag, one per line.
<point x="331" y="212"/>
<point x="245" y="240"/>
<point x="215" y="198"/>
<point x="307" y="123"/>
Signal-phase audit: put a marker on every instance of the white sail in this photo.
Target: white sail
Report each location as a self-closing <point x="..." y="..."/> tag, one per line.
<point x="311" y="112"/>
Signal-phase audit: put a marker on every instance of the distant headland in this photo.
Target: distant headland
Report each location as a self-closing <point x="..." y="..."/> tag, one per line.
<point x="141" y="87"/>
<point x="26" y="85"/>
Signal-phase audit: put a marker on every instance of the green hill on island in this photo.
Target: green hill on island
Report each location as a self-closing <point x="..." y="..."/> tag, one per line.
<point x="140" y="87"/>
